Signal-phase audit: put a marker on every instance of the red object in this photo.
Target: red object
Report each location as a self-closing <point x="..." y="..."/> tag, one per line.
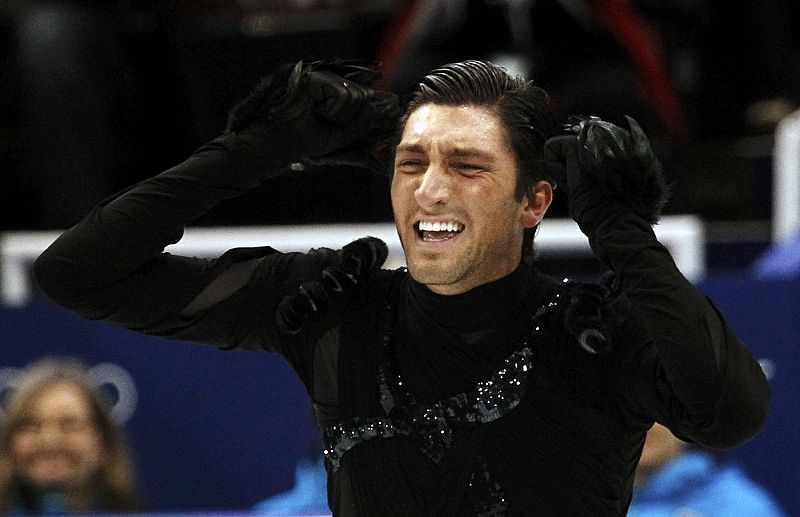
<point x="635" y="36"/>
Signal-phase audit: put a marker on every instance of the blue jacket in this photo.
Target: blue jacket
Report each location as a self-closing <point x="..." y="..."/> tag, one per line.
<point x="694" y="485"/>
<point x="308" y="497"/>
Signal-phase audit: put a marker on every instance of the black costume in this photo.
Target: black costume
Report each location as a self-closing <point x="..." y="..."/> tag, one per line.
<point x="482" y="403"/>
<point x="571" y="445"/>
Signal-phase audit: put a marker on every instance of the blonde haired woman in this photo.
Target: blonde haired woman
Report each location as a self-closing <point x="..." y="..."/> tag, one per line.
<point x="60" y="450"/>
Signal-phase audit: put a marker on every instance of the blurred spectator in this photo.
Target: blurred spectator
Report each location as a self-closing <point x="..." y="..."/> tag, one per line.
<point x="308" y="496"/>
<point x="673" y="480"/>
<point x="60" y="451"/>
<point x="780" y="261"/>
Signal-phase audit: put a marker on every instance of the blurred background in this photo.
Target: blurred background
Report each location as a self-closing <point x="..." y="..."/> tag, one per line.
<point x="96" y="95"/>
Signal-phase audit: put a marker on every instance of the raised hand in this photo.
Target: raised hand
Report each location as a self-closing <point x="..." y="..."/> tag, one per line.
<point x="606" y="169"/>
<point x="328" y="107"/>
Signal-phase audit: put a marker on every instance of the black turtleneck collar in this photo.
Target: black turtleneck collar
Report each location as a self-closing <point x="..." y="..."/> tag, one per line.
<point x="474" y="310"/>
<point x="444" y="344"/>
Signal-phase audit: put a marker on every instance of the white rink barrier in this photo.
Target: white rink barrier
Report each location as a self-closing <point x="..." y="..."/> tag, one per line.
<point x="682" y="235"/>
<point x="786" y="179"/>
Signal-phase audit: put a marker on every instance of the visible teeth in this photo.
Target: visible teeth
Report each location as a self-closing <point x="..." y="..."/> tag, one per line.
<point x="439" y="226"/>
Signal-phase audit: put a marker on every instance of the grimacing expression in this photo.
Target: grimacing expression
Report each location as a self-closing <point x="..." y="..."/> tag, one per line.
<point x="58" y="444"/>
<point x="454" y="198"/>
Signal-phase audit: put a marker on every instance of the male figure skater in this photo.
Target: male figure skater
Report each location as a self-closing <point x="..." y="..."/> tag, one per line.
<point x="470" y="383"/>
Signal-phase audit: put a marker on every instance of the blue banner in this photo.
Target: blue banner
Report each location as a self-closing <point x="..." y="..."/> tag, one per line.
<point x="220" y="431"/>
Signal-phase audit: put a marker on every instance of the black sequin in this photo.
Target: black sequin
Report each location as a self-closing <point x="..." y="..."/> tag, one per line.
<point x="432" y="425"/>
<point x="485" y="494"/>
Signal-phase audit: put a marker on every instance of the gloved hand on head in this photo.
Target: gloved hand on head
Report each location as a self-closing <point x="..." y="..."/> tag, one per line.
<point x="326" y="111"/>
<point x="606" y="170"/>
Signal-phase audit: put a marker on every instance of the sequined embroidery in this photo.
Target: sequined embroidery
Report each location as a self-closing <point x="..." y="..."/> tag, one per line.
<point x="485" y="494"/>
<point x="432" y="424"/>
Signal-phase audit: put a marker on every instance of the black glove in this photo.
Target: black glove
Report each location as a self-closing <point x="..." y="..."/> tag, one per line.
<point x="325" y="112"/>
<point x="314" y="297"/>
<point x="606" y="170"/>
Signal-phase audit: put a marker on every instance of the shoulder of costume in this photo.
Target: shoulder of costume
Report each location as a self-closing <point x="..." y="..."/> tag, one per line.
<point x="316" y="295"/>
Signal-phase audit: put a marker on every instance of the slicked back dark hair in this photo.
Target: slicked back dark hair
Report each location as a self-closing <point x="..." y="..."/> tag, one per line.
<point x="522" y="108"/>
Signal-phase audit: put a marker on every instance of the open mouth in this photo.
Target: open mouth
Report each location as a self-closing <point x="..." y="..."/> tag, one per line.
<point x="438" y="231"/>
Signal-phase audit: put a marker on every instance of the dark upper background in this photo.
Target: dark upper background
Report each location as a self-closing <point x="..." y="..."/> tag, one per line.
<point x="97" y="95"/>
